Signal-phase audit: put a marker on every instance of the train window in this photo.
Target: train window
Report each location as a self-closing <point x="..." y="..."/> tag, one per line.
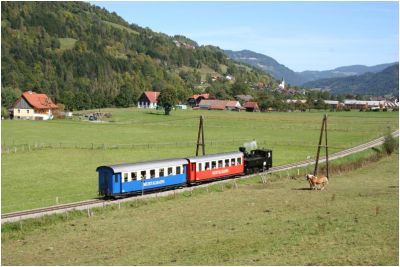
<point x="213" y="164"/>
<point x="143" y="175"/>
<point x="161" y="172"/>
<point x="116" y="178"/>
<point x="239" y="161"/>
<point x="199" y="167"/>
<point x="152" y="173"/>
<point x="178" y="170"/>
<point x="125" y="177"/>
<point x="169" y="171"/>
<point x="227" y="163"/>
<point x="233" y="162"/>
<point x="207" y="167"/>
<point x="133" y="176"/>
<point x="220" y="164"/>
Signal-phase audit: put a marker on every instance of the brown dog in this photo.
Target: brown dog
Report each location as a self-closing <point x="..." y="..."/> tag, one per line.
<point x="317" y="182"/>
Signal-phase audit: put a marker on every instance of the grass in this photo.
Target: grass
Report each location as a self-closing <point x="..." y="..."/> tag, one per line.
<point x="67" y="43"/>
<point x="353" y="222"/>
<point x="118" y="26"/>
<point x="36" y="178"/>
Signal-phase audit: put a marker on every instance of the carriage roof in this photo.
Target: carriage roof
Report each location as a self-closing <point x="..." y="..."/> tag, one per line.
<point x="137" y="166"/>
<point x="218" y="156"/>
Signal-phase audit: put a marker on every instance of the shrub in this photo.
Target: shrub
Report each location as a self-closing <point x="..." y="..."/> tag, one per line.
<point x="390" y="143"/>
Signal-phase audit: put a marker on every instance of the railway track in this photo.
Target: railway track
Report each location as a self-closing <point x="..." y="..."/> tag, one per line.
<point x="92" y="203"/>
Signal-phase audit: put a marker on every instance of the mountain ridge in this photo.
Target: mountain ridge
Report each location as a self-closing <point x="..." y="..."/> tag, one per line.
<point x="381" y="83"/>
<point x="279" y="71"/>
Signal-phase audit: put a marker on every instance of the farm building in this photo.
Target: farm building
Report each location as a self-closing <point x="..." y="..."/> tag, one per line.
<point x="333" y="104"/>
<point x="296" y="101"/>
<point x="195" y="99"/>
<point x="244" y="98"/>
<point x="361" y="104"/>
<point x="148" y="99"/>
<point x="33" y="106"/>
<point x="251" y="107"/>
<point x="220" y="105"/>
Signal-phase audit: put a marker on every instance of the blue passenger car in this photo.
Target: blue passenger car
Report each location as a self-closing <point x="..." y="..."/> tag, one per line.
<point x="128" y="178"/>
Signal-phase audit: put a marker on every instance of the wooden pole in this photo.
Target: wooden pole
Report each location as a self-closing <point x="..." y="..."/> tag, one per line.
<point x="326" y="146"/>
<point x="200" y="143"/>
<point x="319" y="145"/>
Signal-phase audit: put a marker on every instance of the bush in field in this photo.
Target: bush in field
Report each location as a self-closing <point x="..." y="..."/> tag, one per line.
<point x="4" y="113"/>
<point x="168" y="99"/>
<point x="390" y="143"/>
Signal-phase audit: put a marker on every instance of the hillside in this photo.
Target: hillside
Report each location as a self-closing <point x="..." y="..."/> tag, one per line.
<point x="385" y="82"/>
<point x="279" y="71"/>
<point x="267" y="64"/>
<point x="85" y="57"/>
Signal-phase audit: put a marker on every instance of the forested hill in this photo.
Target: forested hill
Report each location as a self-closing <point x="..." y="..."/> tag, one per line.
<point x="268" y="64"/>
<point x="385" y="82"/>
<point x="85" y="57"/>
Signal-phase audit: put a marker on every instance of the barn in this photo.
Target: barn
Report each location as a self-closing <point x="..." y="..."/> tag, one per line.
<point x="251" y="107"/>
<point x="219" y="105"/>
<point x="195" y="99"/>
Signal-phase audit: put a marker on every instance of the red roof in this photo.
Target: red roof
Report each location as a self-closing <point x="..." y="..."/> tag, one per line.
<point x="251" y="105"/>
<point x="39" y="100"/>
<point x="205" y="96"/>
<point x="152" y="96"/>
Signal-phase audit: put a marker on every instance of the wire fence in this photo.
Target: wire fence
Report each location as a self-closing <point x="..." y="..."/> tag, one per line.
<point x="17" y="148"/>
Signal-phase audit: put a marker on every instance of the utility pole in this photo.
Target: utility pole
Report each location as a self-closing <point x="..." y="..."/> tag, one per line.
<point x="200" y="142"/>
<point x="324" y="127"/>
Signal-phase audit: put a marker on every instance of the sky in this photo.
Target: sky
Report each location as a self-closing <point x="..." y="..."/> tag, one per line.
<point x="300" y="35"/>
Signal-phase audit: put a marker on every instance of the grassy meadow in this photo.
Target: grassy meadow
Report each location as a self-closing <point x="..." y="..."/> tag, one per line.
<point x="34" y="177"/>
<point x="353" y="222"/>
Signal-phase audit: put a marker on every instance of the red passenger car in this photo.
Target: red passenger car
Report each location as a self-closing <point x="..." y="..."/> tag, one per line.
<point x="210" y="167"/>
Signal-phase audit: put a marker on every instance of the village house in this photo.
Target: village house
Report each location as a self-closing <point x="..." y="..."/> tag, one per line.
<point x="195" y="99"/>
<point x="251" y="107"/>
<point x="148" y="100"/>
<point x="220" y="105"/>
<point x="33" y="106"/>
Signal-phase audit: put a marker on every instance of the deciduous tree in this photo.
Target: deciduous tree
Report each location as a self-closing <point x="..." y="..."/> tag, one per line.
<point x="167" y="99"/>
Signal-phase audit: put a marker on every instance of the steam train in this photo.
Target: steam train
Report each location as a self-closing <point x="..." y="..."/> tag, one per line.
<point x="130" y="178"/>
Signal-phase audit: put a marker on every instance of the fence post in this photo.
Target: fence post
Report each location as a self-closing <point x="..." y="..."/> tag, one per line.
<point x="56" y="200"/>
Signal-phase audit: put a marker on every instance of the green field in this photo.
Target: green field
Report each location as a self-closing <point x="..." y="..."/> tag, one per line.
<point x="34" y="177"/>
<point x="353" y="222"/>
<point x="118" y="26"/>
<point x="67" y="43"/>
